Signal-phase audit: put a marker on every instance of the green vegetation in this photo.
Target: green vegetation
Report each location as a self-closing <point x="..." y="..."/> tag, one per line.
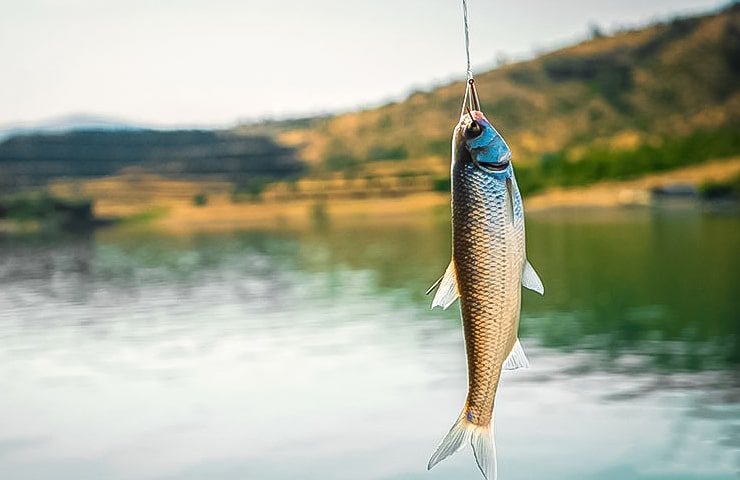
<point x="47" y="210"/>
<point x="441" y="184"/>
<point x="200" y="200"/>
<point x="145" y="216"/>
<point x="252" y="188"/>
<point x="387" y="153"/>
<point x="600" y="163"/>
<point x="721" y="190"/>
<point x="341" y="161"/>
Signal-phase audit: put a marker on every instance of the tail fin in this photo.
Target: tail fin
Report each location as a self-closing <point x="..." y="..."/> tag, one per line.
<point x="454" y="441"/>
<point x="480" y="437"/>
<point x="484" y="448"/>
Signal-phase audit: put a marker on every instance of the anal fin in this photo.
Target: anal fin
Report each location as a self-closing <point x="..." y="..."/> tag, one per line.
<point x="516" y="359"/>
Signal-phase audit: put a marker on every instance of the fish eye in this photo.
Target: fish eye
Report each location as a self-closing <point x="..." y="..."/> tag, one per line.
<point x="472" y="130"/>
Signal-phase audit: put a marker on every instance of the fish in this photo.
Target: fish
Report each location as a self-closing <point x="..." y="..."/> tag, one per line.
<point x="489" y="266"/>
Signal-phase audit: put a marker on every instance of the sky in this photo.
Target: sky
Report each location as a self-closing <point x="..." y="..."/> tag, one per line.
<point x="218" y="62"/>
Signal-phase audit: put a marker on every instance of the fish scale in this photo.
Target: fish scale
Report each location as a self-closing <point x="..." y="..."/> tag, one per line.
<point x="488" y="250"/>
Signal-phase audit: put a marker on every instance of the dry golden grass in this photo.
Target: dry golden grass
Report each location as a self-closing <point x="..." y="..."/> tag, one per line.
<point x="222" y="215"/>
<point x="169" y="203"/>
<point x="130" y="194"/>
<point x="175" y="212"/>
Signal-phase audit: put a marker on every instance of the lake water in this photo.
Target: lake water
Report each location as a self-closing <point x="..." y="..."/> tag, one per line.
<point x="314" y="355"/>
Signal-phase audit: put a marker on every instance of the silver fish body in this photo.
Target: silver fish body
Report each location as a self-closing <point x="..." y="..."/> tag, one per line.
<point x="487" y="271"/>
<point x="488" y="253"/>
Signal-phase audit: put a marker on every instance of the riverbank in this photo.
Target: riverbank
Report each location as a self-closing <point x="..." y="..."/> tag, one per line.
<point x="178" y="205"/>
<point x="633" y="192"/>
<point x="221" y="213"/>
<point x="37" y="211"/>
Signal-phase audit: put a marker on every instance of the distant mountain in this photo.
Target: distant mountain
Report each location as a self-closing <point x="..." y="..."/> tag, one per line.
<point x="637" y="88"/>
<point x="67" y="123"/>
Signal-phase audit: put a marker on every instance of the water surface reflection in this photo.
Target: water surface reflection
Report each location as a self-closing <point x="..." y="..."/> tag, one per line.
<point x="314" y="354"/>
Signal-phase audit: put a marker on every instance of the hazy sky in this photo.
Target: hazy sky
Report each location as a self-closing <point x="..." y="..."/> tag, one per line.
<point x="201" y="62"/>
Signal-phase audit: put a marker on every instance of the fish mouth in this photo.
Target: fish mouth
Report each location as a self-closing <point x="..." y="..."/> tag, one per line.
<point x="494" y="167"/>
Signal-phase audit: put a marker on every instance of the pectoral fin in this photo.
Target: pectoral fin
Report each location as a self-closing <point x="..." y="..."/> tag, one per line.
<point x="447" y="292"/>
<point x="531" y="280"/>
<point x="517" y="359"/>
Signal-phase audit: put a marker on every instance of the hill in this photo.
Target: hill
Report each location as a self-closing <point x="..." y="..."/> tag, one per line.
<point x="638" y="101"/>
<point x="35" y="159"/>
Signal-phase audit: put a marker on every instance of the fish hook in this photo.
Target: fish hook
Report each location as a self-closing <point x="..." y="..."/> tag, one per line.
<point x="470" y="101"/>
<point x="474" y="102"/>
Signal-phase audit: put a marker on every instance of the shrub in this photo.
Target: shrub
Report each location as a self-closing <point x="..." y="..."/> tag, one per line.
<point x="253" y="187"/>
<point x="719" y="190"/>
<point x="387" y="153"/>
<point x="341" y="161"/>
<point x="200" y="200"/>
<point x="441" y="184"/>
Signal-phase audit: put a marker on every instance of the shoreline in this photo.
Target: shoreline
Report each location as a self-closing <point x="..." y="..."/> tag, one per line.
<point x="636" y="192"/>
<point x="152" y="202"/>
<point x="222" y="214"/>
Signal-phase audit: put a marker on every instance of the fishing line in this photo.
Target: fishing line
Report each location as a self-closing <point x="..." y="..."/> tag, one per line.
<point x="470" y="101"/>
<point x="467" y="38"/>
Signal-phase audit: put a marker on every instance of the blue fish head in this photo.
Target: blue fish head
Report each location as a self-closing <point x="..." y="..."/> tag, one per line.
<point x="487" y="147"/>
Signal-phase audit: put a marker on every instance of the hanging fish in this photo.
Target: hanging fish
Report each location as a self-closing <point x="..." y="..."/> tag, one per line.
<point x="488" y="268"/>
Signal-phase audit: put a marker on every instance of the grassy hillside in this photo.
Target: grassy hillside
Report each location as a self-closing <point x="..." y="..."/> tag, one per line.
<point x="639" y="101"/>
